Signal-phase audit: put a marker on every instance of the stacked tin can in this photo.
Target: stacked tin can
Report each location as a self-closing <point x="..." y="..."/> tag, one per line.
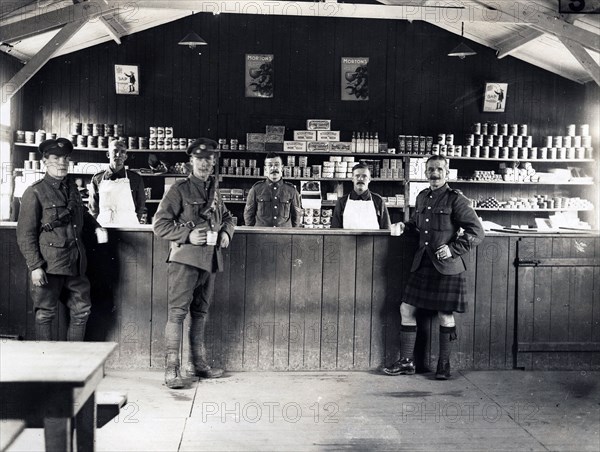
<point x="415" y="144"/>
<point x="575" y="144"/>
<point x="94" y="135"/>
<point x="498" y="141"/>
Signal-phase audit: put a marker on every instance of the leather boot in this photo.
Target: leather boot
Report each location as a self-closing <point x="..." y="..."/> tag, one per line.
<point x="198" y="364"/>
<point x="172" y="376"/>
<point x="447" y="336"/>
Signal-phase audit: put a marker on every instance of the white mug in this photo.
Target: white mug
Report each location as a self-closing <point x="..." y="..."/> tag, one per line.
<point x="102" y="235"/>
<point x="211" y="237"/>
<point x="395" y="229"/>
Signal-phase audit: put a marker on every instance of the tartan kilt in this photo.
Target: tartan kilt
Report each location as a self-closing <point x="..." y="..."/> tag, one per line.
<point x="429" y="289"/>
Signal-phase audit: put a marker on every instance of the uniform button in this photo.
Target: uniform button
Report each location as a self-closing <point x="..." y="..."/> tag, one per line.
<point x="429" y="207"/>
<point x="430" y="196"/>
<point x="427" y="219"/>
<point x="275" y="207"/>
<point x="426" y="232"/>
<point x="275" y="197"/>
<point x="274" y="218"/>
<point x="426" y="243"/>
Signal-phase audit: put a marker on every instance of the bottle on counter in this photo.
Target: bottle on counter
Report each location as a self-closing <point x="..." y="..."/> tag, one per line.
<point x="376" y="143"/>
<point x="353" y="146"/>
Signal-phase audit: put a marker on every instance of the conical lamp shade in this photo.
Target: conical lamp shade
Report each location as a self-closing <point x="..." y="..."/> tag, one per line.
<point x="462" y="50"/>
<point x="192" y="40"/>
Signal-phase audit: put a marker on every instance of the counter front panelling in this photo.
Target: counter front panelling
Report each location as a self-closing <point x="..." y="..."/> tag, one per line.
<point x="311" y="300"/>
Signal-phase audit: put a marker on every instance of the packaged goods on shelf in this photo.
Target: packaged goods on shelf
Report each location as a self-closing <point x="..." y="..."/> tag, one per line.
<point x="317" y="146"/>
<point x="280" y="130"/>
<point x="273" y="147"/>
<point x="305" y="135"/>
<point x="328" y="135"/>
<point x="294" y="146"/>
<point x="273" y="138"/>
<point x="340" y="146"/>
<point x="255" y="138"/>
<point x="318" y="124"/>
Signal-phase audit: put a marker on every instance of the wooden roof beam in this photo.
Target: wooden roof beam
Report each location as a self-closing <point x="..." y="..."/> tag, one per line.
<point x="34" y="22"/>
<point x="517" y="41"/>
<point x="10" y="88"/>
<point x="584" y="58"/>
<point x="114" y="28"/>
<point x="531" y="14"/>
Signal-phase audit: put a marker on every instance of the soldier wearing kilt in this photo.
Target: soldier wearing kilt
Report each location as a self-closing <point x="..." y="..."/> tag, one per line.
<point x="448" y="230"/>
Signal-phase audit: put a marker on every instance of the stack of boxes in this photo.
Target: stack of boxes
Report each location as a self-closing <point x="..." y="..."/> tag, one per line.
<point x="239" y="167"/>
<point x="317" y="218"/>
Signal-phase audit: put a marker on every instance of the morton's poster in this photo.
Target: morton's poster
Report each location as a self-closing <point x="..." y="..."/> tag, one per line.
<point x="355" y="78"/>
<point x="259" y="75"/>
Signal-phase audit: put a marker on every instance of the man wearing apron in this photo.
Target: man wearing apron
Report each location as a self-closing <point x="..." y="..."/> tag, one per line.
<point x="361" y="209"/>
<point x="117" y="195"/>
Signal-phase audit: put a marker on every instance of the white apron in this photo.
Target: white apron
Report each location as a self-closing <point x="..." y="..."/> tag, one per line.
<point x="360" y="215"/>
<point x="116" y="203"/>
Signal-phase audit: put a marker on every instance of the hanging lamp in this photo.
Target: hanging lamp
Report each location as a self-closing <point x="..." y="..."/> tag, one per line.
<point x="462" y="50"/>
<point x="192" y="39"/>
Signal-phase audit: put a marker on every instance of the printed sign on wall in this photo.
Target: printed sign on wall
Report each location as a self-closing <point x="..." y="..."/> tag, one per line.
<point x="127" y="79"/>
<point x="494" y="98"/>
<point x="355" y="78"/>
<point x="259" y="75"/>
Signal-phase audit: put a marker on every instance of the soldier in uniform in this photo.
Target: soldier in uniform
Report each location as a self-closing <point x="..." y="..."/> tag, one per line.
<point x="49" y="234"/>
<point x="273" y="202"/>
<point x="448" y="230"/>
<point x="193" y="217"/>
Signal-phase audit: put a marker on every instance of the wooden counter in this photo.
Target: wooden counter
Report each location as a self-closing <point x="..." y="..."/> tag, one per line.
<point x="328" y="299"/>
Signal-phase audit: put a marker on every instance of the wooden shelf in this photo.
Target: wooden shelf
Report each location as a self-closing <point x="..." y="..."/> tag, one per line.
<point x="323" y="203"/>
<point x="503" y="160"/>
<point x="332" y="153"/>
<point x="77" y="148"/>
<point x="500" y="209"/>
<point x="505" y="182"/>
<point x="335" y="179"/>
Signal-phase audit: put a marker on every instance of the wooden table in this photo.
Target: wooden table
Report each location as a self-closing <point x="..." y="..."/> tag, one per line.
<point x="52" y="385"/>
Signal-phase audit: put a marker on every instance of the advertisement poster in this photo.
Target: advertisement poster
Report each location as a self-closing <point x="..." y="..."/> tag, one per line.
<point x="355" y="78"/>
<point x="127" y="79"/>
<point x="494" y="98"/>
<point x="259" y="75"/>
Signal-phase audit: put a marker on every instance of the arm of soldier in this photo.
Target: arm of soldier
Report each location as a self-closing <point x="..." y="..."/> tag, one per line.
<point x="28" y="230"/>
<point x="465" y="217"/>
<point x="166" y="224"/>
<point x="384" y="221"/>
<point x="296" y="212"/>
<point x="94" y="200"/>
<point x="337" y="221"/>
<point x="250" y="209"/>
<point x="140" y="198"/>
<point x="227" y="227"/>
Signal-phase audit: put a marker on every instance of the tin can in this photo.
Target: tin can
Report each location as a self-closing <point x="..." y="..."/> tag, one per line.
<point x="76" y="128"/>
<point x="256" y="171"/>
<point x="225" y="162"/>
<point x="522" y="129"/>
<point x="143" y="142"/>
<point x="586" y="141"/>
<point x="450" y="150"/>
<point x="441" y="138"/>
<point x="503" y="129"/>
<point x="528" y="141"/>
<point x="485" y="152"/>
<point x="233" y="142"/>
<point x="190" y="141"/>
<point x="152" y="143"/>
<point x="415" y="143"/>
<point x="168" y="132"/>
<point x="109" y="130"/>
<point x="409" y="143"/>
<point x="523" y="153"/>
<point x="533" y="153"/>
<point x="549" y="141"/>
<point x="239" y="171"/>
<point x="242" y="163"/>
<point x="303" y="161"/>
<point x="504" y="152"/>
<point x="422" y="144"/>
<point x="103" y="142"/>
<point x="291" y="160"/>
<point x="552" y="153"/>
<point x="153" y="132"/>
<point x="297" y="171"/>
<point x="557" y="142"/>
<point x="493" y="128"/>
<point x="233" y="163"/>
<point x="160" y="143"/>
<point x="132" y="142"/>
<point x="86" y="129"/>
<point x="584" y="130"/>
<point x="514" y="153"/>
<point x="119" y="130"/>
<point x="160" y="132"/>
<point x="316" y="170"/>
<point x="478" y="140"/>
<point x="51" y="136"/>
<point x="450" y="138"/>
<point x="489" y="140"/>
<point x="498" y="140"/>
<point x="568" y="141"/>
<point x="570" y="153"/>
<point x="475" y="151"/>
<point x="29" y="137"/>
<point x="401" y="143"/>
<point x="252" y="163"/>
<point x="168" y="143"/>
<point x="81" y="141"/>
<point x="98" y="130"/>
<point x="476" y="128"/>
<point x="571" y="130"/>
<point x="495" y="152"/>
<point x="306" y="172"/>
<point x="580" y="153"/>
<point x="519" y="141"/>
<point x="20" y="136"/>
<point x="40" y="136"/>
<point x="577" y="141"/>
<point x="561" y="153"/>
<point x="435" y="149"/>
<point x="484" y="128"/>
<point x="543" y="153"/>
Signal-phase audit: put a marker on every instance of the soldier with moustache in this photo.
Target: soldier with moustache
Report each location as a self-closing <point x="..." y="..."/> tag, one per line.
<point x="52" y="218"/>
<point x="190" y="215"/>
<point x="273" y="202"/>
<point x="448" y="229"/>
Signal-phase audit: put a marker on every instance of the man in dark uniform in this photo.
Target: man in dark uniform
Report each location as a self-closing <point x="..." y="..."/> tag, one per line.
<point x="132" y="191"/>
<point x="448" y="229"/>
<point x="361" y="208"/>
<point x="49" y="234"/>
<point x="193" y="217"/>
<point x="273" y="202"/>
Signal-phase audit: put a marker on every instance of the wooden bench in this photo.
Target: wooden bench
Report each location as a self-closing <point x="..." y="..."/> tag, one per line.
<point x="10" y="429"/>
<point x="108" y="406"/>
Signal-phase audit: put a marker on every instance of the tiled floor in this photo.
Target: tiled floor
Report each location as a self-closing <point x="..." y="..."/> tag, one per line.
<point x="476" y="411"/>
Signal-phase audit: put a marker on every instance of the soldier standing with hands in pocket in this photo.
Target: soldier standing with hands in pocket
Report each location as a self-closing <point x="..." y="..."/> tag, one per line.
<point x="448" y="230"/>
<point x="193" y="217"/>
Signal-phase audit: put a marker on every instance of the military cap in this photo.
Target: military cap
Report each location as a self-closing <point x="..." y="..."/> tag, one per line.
<point x="202" y="147"/>
<point x="59" y="146"/>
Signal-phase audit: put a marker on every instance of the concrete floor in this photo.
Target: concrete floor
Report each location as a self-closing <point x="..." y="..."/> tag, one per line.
<point x="298" y="411"/>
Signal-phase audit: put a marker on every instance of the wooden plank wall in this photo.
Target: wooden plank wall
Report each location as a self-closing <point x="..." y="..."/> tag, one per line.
<point x="414" y="87"/>
<point x="283" y="302"/>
